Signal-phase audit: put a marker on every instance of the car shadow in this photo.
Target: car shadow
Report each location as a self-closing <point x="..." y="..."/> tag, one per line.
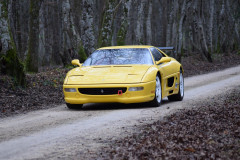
<point x="117" y="106"/>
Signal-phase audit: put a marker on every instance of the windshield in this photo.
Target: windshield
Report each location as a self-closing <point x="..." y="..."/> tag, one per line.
<point x="119" y="57"/>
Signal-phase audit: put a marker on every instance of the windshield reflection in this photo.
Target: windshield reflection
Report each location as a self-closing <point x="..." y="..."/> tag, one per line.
<point x="119" y="57"/>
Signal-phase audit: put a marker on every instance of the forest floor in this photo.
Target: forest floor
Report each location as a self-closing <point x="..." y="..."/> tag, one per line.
<point x="210" y="130"/>
<point x="44" y="89"/>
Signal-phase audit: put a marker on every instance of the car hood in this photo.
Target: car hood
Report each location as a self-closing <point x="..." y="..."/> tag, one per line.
<point x="107" y="74"/>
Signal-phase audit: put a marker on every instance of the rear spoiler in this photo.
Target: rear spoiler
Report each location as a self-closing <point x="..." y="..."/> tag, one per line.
<point x="166" y="48"/>
<point x="169" y="50"/>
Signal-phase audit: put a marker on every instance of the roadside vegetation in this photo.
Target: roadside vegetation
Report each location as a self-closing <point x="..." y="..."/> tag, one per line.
<point x="43" y="90"/>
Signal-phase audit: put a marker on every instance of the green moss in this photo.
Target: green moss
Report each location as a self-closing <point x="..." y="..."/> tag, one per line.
<point x="82" y="53"/>
<point x="105" y="34"/>
<point x="4" y="8"/>
<point x="69" y="66"/>
<point x="121" y="35"/>
<point x="238" y="52"/>
<point x="125" y="11"/>
<point x="13" y="67"/>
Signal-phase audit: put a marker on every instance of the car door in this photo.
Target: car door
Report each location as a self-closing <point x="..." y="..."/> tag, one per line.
<point x="164" y="68"/>
<point x="168" y="72"/>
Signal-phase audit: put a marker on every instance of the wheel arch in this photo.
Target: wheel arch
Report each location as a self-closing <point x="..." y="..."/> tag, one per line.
<point x="181" y="69"/>
<point x="159" y="74"/>
<point x="150" y="75"/>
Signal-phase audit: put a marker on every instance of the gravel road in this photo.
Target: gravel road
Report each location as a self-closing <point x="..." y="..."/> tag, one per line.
<point x="61" y="133"/>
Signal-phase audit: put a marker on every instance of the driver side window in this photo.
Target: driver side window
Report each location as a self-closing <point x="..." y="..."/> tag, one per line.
<point x="156" y="54"/>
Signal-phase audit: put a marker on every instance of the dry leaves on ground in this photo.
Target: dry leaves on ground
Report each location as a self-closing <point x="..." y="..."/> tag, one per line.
<point x="208" y="131"/>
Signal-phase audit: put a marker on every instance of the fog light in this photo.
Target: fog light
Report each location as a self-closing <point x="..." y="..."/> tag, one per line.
<point x="135" y="88"/>
<point x="70" y="90"/>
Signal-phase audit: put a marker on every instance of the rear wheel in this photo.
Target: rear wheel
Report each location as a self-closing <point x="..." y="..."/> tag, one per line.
<point x="179" y="96"/>
<point x="158" y="93"/>
<point x="74" y="106"/>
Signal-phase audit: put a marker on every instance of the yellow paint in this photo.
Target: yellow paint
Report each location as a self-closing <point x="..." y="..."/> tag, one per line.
<point x="121" y="76"/>
<point x="107" y="74"/>
<point x="127" y="97"/>
<point x="76" y="62"/>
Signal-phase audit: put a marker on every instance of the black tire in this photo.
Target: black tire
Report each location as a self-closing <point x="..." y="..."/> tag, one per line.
<point x="158" y="93"/>
<point x="179" y="96"/>
<point x="74" y="106"/>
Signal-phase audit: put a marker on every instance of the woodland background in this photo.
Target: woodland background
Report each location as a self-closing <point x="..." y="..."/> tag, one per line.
<point x="36" y="34"/>
<point x="45" y="35"/>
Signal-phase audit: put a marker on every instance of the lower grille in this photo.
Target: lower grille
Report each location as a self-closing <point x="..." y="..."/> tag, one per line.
<point x="102" y="91"/>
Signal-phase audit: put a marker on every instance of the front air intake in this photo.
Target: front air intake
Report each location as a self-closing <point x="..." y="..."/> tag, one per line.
<point x="102" y="91"/>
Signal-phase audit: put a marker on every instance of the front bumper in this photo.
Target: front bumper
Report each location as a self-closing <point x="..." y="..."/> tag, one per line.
<point x="145" y="95"/>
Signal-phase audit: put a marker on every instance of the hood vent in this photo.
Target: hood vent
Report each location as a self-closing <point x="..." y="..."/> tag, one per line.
<point x="101" y="67"/>
<point x="76" y="75"/>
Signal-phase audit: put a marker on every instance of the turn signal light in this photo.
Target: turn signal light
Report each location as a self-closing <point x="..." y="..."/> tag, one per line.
<point x="135" y="88"/>
<point x="70" y="90"/>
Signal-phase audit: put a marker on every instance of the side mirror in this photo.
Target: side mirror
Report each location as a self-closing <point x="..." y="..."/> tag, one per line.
<point x="163" y="59"/>
<point x="76" y="62"/>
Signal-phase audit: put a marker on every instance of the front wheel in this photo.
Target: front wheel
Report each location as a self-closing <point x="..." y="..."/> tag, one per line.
<point x="74" y="106"/>
<point x="158" y="93"/>
<point x="179" y="96"/>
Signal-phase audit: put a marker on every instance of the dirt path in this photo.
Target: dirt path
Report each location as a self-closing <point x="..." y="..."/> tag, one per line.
<point x="61" y="133"/>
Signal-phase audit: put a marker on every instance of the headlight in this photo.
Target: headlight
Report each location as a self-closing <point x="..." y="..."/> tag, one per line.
<point x="135" y="88"/>
<point x="70" y="89"/>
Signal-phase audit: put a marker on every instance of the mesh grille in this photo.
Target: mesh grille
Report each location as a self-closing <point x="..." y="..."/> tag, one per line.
<point x="102" y="91"/>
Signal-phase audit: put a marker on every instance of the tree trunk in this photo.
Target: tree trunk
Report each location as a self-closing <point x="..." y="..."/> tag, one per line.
<point x="60" y="28"/>
<point x="211" y="21"/>
<point x="9" y="60"/>
<point x="203" y="40"/>
<point x="33" y="41"/>
<point x="180" y="31"/>
<point x="0" y="46"/>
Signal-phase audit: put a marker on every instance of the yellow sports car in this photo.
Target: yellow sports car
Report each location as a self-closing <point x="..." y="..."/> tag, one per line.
<point x="124" y="74"/>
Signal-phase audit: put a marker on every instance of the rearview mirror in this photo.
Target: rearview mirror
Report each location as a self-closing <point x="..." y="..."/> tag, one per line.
<point x="76" y="62"/>
<point x="163" y="59"/>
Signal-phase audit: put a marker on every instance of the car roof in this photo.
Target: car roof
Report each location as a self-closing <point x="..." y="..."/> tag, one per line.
<point x="129" y="46"/>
